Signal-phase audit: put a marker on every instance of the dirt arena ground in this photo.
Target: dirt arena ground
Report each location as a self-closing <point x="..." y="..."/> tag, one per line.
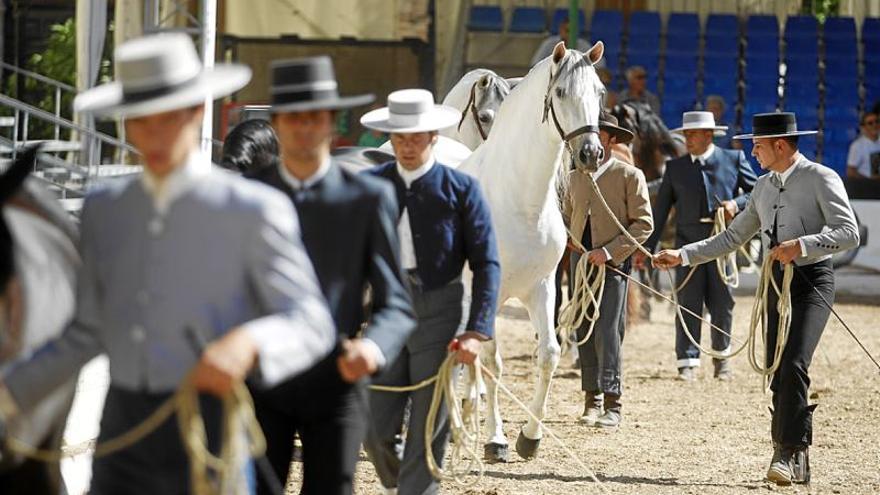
<point x="706" y="437"/>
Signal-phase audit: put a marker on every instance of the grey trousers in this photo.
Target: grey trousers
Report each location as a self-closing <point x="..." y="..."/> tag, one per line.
<point x="600" y="355"/>
<point x="439" y="314"/>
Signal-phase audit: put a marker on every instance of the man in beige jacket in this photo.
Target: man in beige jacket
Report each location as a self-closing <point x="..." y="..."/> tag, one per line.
<point x="624" y="188"/>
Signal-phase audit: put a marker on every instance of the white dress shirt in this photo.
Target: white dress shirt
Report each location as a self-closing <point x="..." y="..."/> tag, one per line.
<point x="299" y="185"/>
<point x="166" y="190"/>
<point x="404" y="230"/>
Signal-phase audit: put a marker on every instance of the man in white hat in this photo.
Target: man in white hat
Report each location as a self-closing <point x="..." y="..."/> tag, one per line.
<point x="697" y="184"/>
<point x="349" y="225"/>
<point x="803" y="215"/>
<point x="444" y="223"/>
<point x="187" y="271"/>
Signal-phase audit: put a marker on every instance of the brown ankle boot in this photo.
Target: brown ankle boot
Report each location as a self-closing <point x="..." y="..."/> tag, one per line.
<point x="592" y="407"/>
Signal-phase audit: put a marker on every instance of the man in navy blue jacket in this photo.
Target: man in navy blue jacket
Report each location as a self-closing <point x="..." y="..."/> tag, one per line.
<point x="697" y="184"/>
<point x="444" y="223"/>
<point x="349" y="230"/>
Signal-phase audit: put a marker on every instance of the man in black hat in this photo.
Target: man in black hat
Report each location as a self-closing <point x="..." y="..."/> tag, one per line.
<point x="349" y="231"/>
<point x="624" y="188"/>
<point x="803" y="214"/>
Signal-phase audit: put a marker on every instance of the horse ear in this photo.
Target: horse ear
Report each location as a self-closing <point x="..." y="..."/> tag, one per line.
<point x="513" y="81"/>
<point x="558" y="52"/>
<point x="594" y="54"/>
<point x="18" y="172"/>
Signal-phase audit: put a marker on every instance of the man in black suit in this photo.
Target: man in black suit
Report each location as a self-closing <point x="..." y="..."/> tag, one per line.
<point x="349" y="226"/>
<point x="697" y="184"/>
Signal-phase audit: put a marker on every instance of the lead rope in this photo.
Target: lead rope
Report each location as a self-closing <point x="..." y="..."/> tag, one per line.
<point x="759" y="308"/>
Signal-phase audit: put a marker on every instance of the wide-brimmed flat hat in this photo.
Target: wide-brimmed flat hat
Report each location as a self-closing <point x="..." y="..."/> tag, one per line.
<point x="305" y="84"/>
<point x="608" y="123"/>
<point x="160" y="73"/>
<point x="771" y="125"/>
<point x="410" y="111"/>
<point x="692" y="121"/>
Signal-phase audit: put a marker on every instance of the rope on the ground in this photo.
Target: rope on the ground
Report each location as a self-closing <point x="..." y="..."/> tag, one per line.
<point x="241" y="437"/>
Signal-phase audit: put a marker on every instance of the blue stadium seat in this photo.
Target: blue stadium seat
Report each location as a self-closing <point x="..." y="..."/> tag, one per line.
<point x="682" y="43"/>
<point x="486" y="18"/>
<point x="840" y="27"/>
<point x="805" y="93"/>
<point x="528" y="20"/>
<point x="840" y="67"/>
<point x="871" y="28"/>
<point x="650" y="61"/>
<point x="722" y="44"/>
<point x="720" y="65"/>
<point x="683" y="23"/>
<point x="726" y="89"/>
<point x="679" y="87"/>
<point x="762" y="25"/>
<point x="681" y="64"/>
<point x="802" y="46"/>
<point x="606" y="23"/>
<point x="644" y="43"/>
<point x="560" y="14"/>
<point x="752" y="107"/>
<point x="612" y="58"/>
<point x="762" y="46"/>
<point x="872" y="92"/>
<point x="760" y="66"/>
<point x="806" y="146"/>
<point x="842" y="45"/>
<point x="800" y="67"/>
<point x="842" y="112"/>
<point x="644" y="23"/>
<point x="761" y="89"/>
<point x="801" y="24"/>
<point x="722" y="24"/>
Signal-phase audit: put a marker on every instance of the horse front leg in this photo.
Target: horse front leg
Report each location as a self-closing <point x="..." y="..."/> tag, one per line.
<point x="496" y="448"/>
<point x="540" y="306"/>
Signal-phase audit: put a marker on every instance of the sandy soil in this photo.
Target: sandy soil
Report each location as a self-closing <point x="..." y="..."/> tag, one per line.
<point x="706" y="437"/>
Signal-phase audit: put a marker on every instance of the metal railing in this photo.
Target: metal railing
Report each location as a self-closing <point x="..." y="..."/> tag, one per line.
<point x="58" y="88"/>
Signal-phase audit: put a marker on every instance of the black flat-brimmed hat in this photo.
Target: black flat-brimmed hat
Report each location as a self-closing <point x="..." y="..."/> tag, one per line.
<point x="304" y="84"/>
<point x="771" y="125"/>
<point x="608" y="123"/>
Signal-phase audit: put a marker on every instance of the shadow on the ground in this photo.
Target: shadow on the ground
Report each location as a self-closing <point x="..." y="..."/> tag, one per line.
<point x="623" y="479"/>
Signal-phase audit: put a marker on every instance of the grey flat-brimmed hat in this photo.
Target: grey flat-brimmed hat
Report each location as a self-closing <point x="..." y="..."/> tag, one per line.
<point x="776" y="124"/>
<point x="305" y="84"/>
<point x="160" y="73"/>
<point x="699" y="121"/>
<point x="411" y="111"/>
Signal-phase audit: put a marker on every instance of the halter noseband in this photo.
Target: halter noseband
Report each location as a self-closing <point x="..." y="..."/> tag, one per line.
<point x="550" y="110"/>
<point x="472" y="106"/>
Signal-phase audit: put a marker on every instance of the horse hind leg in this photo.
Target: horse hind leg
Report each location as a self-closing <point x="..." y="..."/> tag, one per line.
<point x="496" y="448"/>
<point x="540" y="306"/>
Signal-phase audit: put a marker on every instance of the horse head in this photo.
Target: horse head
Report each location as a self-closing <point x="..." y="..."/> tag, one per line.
<point x="653" y="143"/>
<point x="573" y="102"/>
<point x="486" y="95"/>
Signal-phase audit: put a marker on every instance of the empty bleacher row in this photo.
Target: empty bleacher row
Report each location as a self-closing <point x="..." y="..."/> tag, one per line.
<point x="823" y="72"/>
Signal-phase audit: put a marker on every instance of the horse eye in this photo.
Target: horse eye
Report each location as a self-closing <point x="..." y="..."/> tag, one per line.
<point x="559" y="92"/>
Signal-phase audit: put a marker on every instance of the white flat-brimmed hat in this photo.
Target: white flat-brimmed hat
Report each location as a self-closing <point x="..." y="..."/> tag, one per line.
<point x="160" y="73"/>
<point x="692" y="121"/>
<point x="410" y="111"/>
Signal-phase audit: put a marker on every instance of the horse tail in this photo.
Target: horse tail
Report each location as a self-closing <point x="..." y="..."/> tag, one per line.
<point x="14" y="177"/>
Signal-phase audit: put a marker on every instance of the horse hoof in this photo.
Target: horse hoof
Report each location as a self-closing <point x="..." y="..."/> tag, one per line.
<point x="496" y="452"/>
<point x="526" y="447"/>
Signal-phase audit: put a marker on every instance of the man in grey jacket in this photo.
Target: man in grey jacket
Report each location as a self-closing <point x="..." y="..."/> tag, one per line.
<point x="803" y="214"/>
<point x="186" y="270"/>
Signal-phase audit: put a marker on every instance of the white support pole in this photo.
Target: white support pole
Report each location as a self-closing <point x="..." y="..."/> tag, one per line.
<point x="208" y="20"/>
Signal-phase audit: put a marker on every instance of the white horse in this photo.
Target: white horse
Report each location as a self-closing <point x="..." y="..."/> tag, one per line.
<point x="556" y="106"/>
<point x="478" y="95"/>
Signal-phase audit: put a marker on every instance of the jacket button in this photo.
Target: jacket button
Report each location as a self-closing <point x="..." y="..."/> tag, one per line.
<point x="138" y="334"/>
<point x="774" y="207"/>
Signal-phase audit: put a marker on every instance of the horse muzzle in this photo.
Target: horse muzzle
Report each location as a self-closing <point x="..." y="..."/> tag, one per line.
<point x="590" y="154"/>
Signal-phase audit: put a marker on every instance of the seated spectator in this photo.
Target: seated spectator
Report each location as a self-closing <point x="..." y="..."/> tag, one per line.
<point x="546" y="47"/>
<point x="251" y="146"/>
<point x="863" y="159"/>
<point x="636" y="79"/>
<point x="717" y="105"/>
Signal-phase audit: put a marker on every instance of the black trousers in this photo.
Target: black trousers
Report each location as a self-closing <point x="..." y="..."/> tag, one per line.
<point x="792" y="422"/>
<point x="156" y="464"/>
<point x="331" y="417"/>
<point x="704" y="288"/>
